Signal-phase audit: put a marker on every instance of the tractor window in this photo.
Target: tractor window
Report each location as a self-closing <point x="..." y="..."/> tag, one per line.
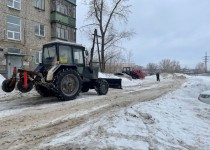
<point x="78" y="56"/>
<point x="65" y="54"/>
<point x="124" y="69"/>
<point x="49" y="55"/>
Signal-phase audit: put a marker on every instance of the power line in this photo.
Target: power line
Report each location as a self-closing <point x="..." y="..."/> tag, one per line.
<point x="206" y="59"/>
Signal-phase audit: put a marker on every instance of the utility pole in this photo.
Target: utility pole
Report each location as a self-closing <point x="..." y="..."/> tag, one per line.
<point x="206" y="59"/>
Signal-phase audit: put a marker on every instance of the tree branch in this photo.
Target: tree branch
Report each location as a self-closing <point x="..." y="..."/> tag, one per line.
<point x="111" y="14"/>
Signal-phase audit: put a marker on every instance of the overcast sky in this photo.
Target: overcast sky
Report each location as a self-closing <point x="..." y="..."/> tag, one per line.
<point x="165" y="29"/>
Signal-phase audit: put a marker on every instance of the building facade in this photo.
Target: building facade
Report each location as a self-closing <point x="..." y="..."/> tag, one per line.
<point x="25" y="25"/>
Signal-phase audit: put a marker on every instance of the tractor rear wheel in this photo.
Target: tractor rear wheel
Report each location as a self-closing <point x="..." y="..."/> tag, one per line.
<point x="101" y="87"/>
<point x="43" y="91"/>
<point x="68" y="84"/>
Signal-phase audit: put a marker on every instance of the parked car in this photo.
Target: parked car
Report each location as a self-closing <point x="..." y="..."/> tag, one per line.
<point x="205" y="97"/>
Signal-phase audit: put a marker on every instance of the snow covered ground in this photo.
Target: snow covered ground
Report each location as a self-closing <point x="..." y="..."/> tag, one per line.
<point x="177" y="120"/>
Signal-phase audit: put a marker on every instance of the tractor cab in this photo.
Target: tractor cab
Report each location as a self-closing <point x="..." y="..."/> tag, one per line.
<point x="127" y="70"/>
<point x="135" y="74"/>
<point x="63" y="53"/>
<point x="58" y="55"/>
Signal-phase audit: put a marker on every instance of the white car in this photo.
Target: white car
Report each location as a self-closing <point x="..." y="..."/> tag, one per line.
<point x="205" y="97"/>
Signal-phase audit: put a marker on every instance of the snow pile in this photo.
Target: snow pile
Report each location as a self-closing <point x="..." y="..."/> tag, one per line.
<point x="125" y="81"/>
<point x="1" y="79"/>
<point x="175" y="121"/>
<point x="107" y="75"/>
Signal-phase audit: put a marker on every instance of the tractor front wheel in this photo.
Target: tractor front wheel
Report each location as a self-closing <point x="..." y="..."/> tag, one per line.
<point x="85" y="88"/>
<point x="43" y="91"/>
<point x="68" y="84"/>
<point x="101" y="87"/>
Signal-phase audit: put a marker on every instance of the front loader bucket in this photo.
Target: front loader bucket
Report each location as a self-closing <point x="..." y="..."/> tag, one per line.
<point x="114" y="83"/>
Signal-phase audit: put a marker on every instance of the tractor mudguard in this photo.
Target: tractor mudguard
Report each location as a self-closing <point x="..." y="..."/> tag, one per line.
<point x="51" y="73"/>
<point x="57" y="68"/>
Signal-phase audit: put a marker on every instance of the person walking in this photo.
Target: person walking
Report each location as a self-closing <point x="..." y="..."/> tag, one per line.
<point x="158" y="76"/>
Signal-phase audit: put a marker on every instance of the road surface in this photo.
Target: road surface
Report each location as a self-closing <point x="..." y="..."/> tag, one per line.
<point x="30" y="121"/>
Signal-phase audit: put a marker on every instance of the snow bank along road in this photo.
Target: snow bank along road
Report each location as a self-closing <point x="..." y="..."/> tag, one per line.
<point x="30" y="121"/>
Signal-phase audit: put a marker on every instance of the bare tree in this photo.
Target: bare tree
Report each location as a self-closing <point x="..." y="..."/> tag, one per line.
<point x="115" y="64"/>
<point x="170" y="66"/>
<point x="152" y="67"/>
<point x="104" y="15"/>
<point x="165" y="65"/>
<point x="175" y="67"/>
<point x="129" y="56"/>
<point x="200" y="68"/>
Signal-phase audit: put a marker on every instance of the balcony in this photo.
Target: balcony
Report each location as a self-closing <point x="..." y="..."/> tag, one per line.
<point x="57" y="17"/>
<point x="72" y="1"/>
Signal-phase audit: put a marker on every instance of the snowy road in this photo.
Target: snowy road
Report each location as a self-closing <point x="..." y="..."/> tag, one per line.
<point x="30" y="122"/>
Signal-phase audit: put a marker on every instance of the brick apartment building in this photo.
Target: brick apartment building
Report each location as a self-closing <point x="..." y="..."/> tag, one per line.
<point x="25" y="25"/>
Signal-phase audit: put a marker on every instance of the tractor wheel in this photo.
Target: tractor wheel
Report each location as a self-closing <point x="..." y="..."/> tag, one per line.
<point x="134" y="76"/>
<point x="22" y="89"/>
<point x="101" y="87"/>
<point x="85" y="88"/>
<point x="68" y="84"/>
<point x="43" y="91"/>
<point x="5" y="86"/>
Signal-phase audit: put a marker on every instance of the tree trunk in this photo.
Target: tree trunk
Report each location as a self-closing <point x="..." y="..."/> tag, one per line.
<point x="102" y="53"/>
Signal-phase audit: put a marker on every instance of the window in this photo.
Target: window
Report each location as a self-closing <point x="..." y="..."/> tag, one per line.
<point x="38" y="57"/>
<point x="74" y="12"/>
<point x="39" y="29"/>
<point x="16" y="4"/>
<point x="72" y="34"/>
<point x="14" y="50"/>
<point x="65" y="8"/>
<point x="62" y="9"/>
<point x="78" y="56"/>
<point x="13" y="28"/>
<point x="65" y="54"/>
<point x="66" y="34"/>
<point x="63" y="32"/>
<point x="49" y="55"/>
<point x="39" y="4"/>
